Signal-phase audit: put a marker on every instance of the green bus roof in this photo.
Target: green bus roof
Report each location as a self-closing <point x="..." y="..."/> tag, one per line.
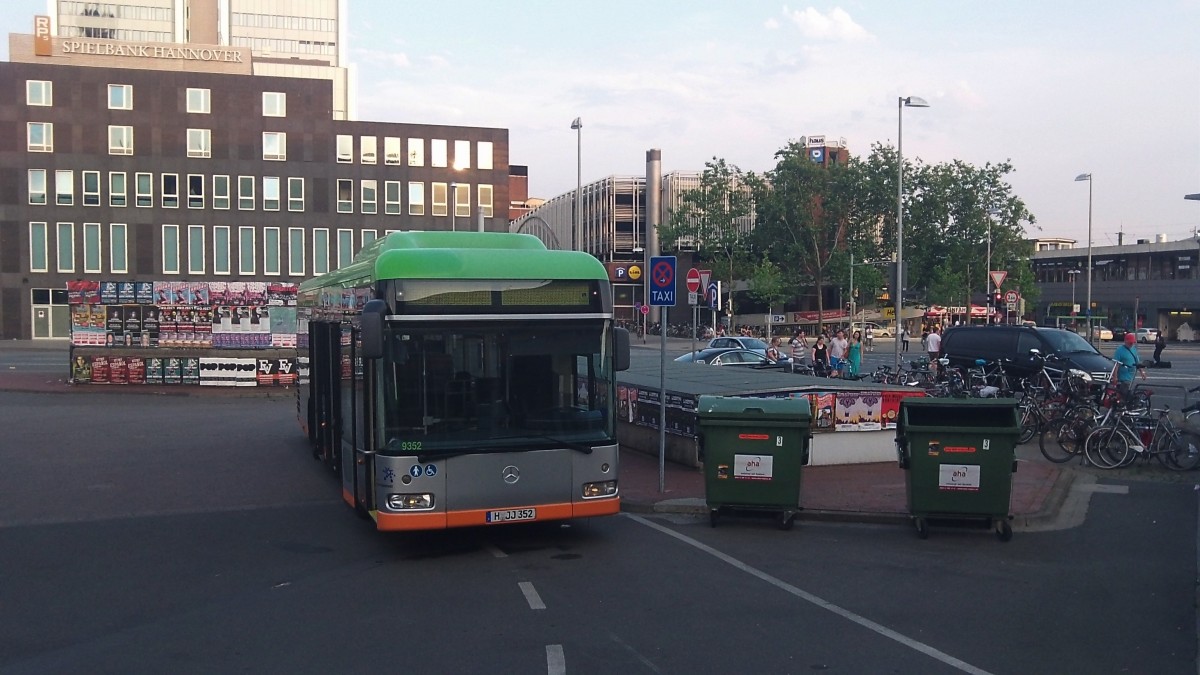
<point x="460" y="255"/>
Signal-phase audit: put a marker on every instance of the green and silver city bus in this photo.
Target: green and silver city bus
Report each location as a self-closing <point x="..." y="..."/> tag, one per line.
<point x="464" y="378"/>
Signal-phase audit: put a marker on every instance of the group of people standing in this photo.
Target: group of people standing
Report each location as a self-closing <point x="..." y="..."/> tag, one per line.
<point x="838" y="356"/>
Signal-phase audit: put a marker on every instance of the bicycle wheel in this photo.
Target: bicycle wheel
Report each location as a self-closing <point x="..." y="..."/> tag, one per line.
<point x="1061" y="440"/>
<point x="1030" y="422"/>
<point x="1107" y="448"/>
<point x="1181" y="451"/>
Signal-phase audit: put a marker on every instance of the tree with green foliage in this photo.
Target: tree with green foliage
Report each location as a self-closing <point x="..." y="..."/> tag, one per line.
<point x="714" y="219"/>
<point x="804" y="213"/>
<point x="769" y="285"/>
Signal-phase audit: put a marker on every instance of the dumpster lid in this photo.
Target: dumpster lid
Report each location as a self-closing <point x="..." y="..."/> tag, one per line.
<point x="784" y="409"/>
<point x="958" y="414"/>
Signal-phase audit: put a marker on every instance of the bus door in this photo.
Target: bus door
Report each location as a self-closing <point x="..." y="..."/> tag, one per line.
<point x="356" y="438"/>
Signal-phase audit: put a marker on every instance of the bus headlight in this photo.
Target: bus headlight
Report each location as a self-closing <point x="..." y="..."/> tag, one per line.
<point x="410" y="502"/>
<point x="605" y="488"/>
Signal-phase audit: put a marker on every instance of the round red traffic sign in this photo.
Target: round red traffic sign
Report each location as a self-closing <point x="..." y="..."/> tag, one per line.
<point x="1011" y="296"/>
<point x="693" y="280"/>
<point x="645" y="309"/>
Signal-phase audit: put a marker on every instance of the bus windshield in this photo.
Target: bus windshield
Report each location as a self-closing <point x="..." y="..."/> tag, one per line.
<point x="484" y="385"/>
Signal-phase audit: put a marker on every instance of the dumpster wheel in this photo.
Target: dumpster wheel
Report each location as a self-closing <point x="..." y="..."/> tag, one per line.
<point x="786" y="520"/>
<point x="1003" y="529"/>
<point x="713" y="516"/>
<point x="922" y="527"/>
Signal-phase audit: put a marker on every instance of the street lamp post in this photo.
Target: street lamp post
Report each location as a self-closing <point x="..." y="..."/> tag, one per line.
<point x="576" y="224"/>
<point x="1073" y="273"/>
<point x="902" y="102"/>
<point x="1088" y="308"/>
<point x="454" y="207"/>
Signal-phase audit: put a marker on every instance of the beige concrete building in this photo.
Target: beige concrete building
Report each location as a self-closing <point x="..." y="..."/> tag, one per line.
<point x="286" y="38"/>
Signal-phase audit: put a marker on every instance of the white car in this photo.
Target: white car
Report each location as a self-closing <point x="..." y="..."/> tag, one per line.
<point x="1147" y="335"/>
<point x="880" y="331"/>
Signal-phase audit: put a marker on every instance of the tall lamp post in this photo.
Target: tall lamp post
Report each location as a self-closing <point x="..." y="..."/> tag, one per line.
<point x="902" y="102"/>
<point x="1088" y="308"/>
<point x="576" y="225"/>
<point x="1073" y="273"/>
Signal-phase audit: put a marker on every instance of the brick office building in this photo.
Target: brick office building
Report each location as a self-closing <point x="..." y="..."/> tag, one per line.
<point x="151" y="162"/>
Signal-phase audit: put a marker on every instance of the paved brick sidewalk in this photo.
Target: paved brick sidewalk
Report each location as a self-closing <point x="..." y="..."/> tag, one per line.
<point x="858" y="492"/>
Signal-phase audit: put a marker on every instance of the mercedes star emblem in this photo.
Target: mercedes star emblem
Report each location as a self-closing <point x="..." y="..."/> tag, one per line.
<point x="511" y="474"/>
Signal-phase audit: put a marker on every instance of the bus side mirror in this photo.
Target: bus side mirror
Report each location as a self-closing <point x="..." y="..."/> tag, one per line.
<point x="371" y="329"/>
<point x="621" y="349"/>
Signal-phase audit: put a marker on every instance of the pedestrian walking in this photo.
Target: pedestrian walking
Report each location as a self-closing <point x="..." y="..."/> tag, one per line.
<point x="773" y="351"/>
<point x="902" y="336"/>
<point x="799" y="347"/>
<point x="869" y="339"/>
<point x="933" y="345"/>
<point x="1160" y="343"/>
<point x="1128" y="364"/>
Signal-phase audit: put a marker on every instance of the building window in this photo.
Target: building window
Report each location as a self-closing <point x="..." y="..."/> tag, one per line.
<point x="221" y="192"/>
<point x="170" y="249"/>
<point x="199" y="143"/>
<point x="367" y="149"/>
<point x="170" y="190"/>
<point x="296" y="252"/>
<point x="369" y="196"/>
<point x="245" y="193"/>
<point x="221" y="249"/>
<point x="391" y="197"/>
<point x="416" y="152"/>
<point x="274" y="104"/>
<point x="271" y="251"/>
<point x="39" y="92"/>
<point x="483" y="155"/>
<point x="117" y="189"/>
<point x="437" y="152"/>
<point x="345" y="196"/>
<point x="391" y="150"/>
<point x="462" y="155"/>
<point x="40" y="137"/>
<point x="199" y="101"/>
<point x="120" y="97"/>
<point x="345" y="149"/>
<point x="295" y="194"/>
<point x="270" y="193"/>
<point x="485" y="200"/>
<point x="345" y="247"/>
<point x="416" y="198"/>
<point x="369" y="236"/>
<point x="39" y="257"/>
<point x="118" y="251"/>
<point x="91" y="248"/>
<point x="64" y="188"/>
<point x="66" y="247"/>
<point x="246" y="250"/>
<point x="195" y="249"/>
<point x="320" y="251"/>
<point x="145" y="190"/>
<point x="274" y="146"/>
<point x="462" y="200"/>
<point x="120" y="140"/>
<point x="37" y="186"/>
<point x="439" y="200"/>
<point x="91" y="188"/>
<point x="195" y="191"/>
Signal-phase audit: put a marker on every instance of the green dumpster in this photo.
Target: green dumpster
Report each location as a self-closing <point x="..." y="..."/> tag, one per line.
<point x="753" y="450"/>
<point x="959" y="456"/>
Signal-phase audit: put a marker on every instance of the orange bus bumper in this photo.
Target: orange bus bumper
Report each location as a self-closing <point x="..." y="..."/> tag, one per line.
<point x="393" y="522"/>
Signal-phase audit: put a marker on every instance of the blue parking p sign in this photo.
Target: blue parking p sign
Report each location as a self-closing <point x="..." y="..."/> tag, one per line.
<point x="662" y="281"/>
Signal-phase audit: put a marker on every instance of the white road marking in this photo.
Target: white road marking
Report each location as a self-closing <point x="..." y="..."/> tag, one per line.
<point x="495" y="551"/>
<point x="886" y="632"/>
<point x="556" y="660"/>
<point x="531" y="595"/>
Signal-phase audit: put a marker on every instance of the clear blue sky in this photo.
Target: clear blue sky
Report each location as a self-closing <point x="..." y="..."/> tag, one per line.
<point x="1059" y="88"/>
